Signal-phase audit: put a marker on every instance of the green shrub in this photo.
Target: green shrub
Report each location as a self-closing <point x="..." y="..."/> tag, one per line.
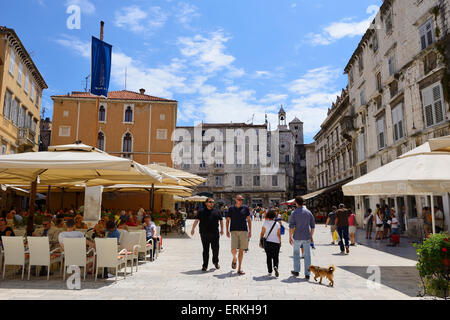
<point x="433" y="264"/>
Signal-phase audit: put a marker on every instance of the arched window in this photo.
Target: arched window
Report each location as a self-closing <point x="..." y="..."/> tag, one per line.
<point x="101" y="141"/>
<point x="129" y="114"/>
<point x="127" y="142"/>
<point x="102" y="114"/>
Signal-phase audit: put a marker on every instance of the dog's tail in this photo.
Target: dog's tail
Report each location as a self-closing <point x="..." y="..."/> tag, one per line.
<point x="331" y="268"/>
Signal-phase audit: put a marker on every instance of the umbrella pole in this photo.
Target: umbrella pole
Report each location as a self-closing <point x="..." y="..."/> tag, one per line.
<point x="152" y="199"/>
<point x="31" y="211"/>
<point x="62" y="199"/>
<point x="432" y="215"/>
<point x="48" y="198"/>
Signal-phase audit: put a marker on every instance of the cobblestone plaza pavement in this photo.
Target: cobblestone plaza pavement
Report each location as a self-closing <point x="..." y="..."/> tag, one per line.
<point x="177" y="274"/>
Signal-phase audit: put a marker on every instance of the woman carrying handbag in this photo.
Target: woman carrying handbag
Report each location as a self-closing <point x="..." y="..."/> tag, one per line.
<point x="270" y="241"/>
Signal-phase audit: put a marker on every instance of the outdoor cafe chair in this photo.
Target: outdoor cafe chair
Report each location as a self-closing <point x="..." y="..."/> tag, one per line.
<point x="158" y="245"/>
<point x="40" y="254"/>
<point x="129" y="248"/>
<point x="108" y="256"/>
<point x="145" y="247"/>
<point x="14" y="253"/>
<point x="75" y="254"/>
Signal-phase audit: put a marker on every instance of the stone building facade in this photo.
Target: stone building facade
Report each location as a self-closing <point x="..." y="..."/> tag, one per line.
<point x="334" y="151"/>
<point x="398" y="92"/>
<point x="225" y="181"/>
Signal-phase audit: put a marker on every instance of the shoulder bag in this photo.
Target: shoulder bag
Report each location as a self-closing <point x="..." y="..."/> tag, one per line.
<point x="263" y="240"/>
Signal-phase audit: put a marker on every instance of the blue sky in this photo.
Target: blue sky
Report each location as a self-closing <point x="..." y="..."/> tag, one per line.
<point x="222" y="60"/>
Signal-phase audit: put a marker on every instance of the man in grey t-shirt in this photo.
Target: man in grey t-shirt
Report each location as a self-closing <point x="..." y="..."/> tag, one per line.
<point x="301" y="231"/>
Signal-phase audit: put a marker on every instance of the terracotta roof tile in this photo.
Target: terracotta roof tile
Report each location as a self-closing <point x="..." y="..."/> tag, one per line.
<point x="118" y="95"/>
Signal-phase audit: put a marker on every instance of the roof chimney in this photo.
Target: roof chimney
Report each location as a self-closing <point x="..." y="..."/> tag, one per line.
<point x="142" y="90"/>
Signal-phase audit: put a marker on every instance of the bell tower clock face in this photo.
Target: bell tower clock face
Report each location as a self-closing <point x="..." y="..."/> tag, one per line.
<point x="282" y="118"/>
<point x="284" y="147"/>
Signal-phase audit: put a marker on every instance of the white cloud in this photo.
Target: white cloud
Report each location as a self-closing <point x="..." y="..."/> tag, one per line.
<point x="341" y="29"/>
<point x="79" y="47"/>
<point x="207" y="52"/>
<point x="314" y="80"/>
<point x="86" y="6"/>
<point x="186" y="12"/>
<point x="262" y="73"/>
<point x="273" y="98"/>
<point x="139" y="21"/>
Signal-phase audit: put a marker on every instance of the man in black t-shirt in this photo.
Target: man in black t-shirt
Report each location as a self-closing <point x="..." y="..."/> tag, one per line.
<point x="209" y="219"/>
<point x="237" y="220"/>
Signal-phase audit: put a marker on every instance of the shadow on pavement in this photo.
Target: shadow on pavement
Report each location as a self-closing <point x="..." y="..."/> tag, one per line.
<point x="227" y="275"/>
<point x="401" y="278"/>
<point x="175" y="235"/>
<point x="195" y="272"/>
<point x="405" y="250"/>
<point x="293" y="279"/>
<point x="56" y="283"/>
<point x="264" y="278"/>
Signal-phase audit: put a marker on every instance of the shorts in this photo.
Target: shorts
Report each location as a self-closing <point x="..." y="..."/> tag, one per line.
<point x="379" y="227"/>
<point x="351" y="229"/>
<point x="239" y="240"/>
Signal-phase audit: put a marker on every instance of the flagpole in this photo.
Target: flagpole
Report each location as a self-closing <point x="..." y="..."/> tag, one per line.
<point x="97" y="100"/>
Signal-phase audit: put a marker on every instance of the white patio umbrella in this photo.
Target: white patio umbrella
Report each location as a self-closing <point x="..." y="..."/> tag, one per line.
<point x="72" y="163"/>
<point x="424" y="170"/>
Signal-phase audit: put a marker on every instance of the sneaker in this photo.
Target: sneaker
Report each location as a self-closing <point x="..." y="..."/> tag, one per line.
<point x="276" y="271"/>
<point x="347" y="250"/>
<point x="342" y="252"/>
<point x="332" y="243"/>
<point x="217" y="266"/>
<point x="295" y="274"/>
<point x="269" y="274"/>
<point x="204" y="269"/>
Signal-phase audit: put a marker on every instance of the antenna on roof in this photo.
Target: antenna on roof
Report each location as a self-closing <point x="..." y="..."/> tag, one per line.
<point x="86" y="87"/>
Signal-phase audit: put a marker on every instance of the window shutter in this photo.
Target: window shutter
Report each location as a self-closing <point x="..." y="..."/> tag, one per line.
<point x="428" y="106"/>
<point x="429" y="32"/>
<point x="380" y="131"/>
<point x="7" y="105"/>
<point x="437" y="97"/>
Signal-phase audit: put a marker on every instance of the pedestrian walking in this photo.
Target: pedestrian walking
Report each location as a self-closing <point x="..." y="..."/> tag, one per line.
<point x="271" y="231"/>
<point x="352" y="224"/>
<point x="237" y="220"/>
<point x="341" y="224"/>
<point x="368" y="220"/>
<point x="386" y="219"/>
<point x="379" y="223"/>
<point x="209" y="218"/>
<point x="330" y="222"/>
<point x="301" y="231"/>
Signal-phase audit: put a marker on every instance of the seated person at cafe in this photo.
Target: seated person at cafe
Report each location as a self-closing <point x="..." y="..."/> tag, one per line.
<point x="79" y="224"/>
<point x="59" y="223"/>
<point x="99" y="230"/>
<point x="48" y="231"/>
<point x="132" y="221"/>
<point x="71" y="233"/>
<point x="112" y="231"/>
<point x="5" y="230"/>
<point x="150" y="232"/>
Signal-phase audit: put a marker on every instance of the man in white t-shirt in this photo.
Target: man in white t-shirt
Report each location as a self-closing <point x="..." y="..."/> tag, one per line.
<point x="439" y="219"/>
<point x="71" y="233"/>
<point x="271" y="232"/>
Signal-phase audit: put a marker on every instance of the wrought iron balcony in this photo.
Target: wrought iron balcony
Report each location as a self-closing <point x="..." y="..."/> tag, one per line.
<point x="27" y="137"/>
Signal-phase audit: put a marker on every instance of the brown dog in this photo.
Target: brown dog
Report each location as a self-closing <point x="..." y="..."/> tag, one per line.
<point x="322" y="273"/>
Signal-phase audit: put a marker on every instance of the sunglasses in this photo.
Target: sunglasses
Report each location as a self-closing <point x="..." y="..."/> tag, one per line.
<point x="240" y="199"/>
<point x="210" y="201"/>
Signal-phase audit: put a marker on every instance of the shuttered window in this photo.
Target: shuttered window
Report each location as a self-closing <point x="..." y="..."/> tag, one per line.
<point x="426" y="34"/>
<point x="7" y="105"/>
<point x="380" y="133"/>
<point x="433" y="106"/>
<point x="397" y="121"/>
<point x="361" y="148"/>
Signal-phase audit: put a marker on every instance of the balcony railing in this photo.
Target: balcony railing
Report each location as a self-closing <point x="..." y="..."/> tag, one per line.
<point x="27" y="137"/>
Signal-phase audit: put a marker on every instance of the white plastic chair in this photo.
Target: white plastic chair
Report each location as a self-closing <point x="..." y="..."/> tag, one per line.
<point x="14" y="253"/>
<point x="122" y="232"/>
<point x="158" y="245"/>
<point x="20" y="232"/>
<point x="40" y="254"/>
<point x="107" y="255"/>
<point x="75" y="254"/>
<point x="129" y="248"/>
<point x="145" y="247"/>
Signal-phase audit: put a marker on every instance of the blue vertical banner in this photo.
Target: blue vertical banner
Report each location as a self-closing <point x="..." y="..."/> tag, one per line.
<point x="100" y="67"/>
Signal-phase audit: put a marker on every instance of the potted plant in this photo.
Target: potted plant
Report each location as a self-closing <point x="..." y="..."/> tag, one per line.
<point x="433" y="264"/>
